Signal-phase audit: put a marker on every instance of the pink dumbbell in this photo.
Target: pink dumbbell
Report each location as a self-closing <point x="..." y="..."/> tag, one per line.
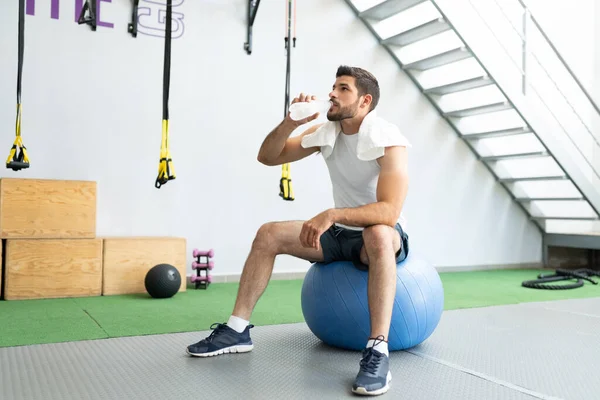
<point x="197" y="265"/>
<point x="201" y="279"/>
<point x="210" y="253"/>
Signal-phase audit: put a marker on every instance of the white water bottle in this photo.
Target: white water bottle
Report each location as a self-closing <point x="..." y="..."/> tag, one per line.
<point x="303" y="109"/>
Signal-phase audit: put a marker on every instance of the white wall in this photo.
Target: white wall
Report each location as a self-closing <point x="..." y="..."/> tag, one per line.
<point x="571" y="28"/>
<point x="92" y="110"/>
<point x="596" y="83"/>
<point x="596" y="89"/>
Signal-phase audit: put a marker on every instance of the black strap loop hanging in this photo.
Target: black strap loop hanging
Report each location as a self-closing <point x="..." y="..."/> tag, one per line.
<point x="132" y="27"/>
<point x="89" y="8"/>
<point x="18" y="158"/>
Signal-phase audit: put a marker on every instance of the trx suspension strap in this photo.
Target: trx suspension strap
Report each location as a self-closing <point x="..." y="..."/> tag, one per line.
<point x="18" y="158"/>
<point x="285" y="183"/>
<point x="132" y="27"/>
<point x="166" y="172"/>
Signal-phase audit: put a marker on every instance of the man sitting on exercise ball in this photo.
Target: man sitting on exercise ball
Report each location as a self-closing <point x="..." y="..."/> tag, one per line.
<point x="365" y="227"/>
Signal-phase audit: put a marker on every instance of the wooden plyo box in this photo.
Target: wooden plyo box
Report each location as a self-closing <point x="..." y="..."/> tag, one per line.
<point x="46" y="208"/>
<point x="127" y="260"/>
<point x="1" y="277"/>
<point x="52" y="268"/>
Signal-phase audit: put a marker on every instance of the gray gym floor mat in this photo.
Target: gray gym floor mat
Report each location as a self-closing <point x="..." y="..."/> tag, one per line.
<point x="528" y="351"/>
<point x="550" y="348"/>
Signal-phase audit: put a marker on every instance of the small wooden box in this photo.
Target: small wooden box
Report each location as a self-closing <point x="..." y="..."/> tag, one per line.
<point x="45" y="208"/>
<point x="52" y="268"/>
<point x="127" y="260"/>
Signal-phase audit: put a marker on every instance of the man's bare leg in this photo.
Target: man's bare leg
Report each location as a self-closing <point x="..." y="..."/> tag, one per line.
<point x="380" y="246"/>
<point x="379" y="252"/>
<point x="272" y="239"/>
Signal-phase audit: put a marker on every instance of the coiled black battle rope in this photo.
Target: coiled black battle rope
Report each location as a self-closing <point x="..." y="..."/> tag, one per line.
<point x="562" y="275"/>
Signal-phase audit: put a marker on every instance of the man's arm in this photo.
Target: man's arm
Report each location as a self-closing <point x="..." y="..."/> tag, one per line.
<point x="279" y="149"/>
<point x="392" y="188"/>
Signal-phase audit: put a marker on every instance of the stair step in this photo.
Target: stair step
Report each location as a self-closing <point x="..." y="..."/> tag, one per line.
<point x="420" y="32"/>
<point x="467" y="84"/>
<point x="534" y="178"/>
<point x="438" y="60"/>
<point x="530" y="199"/>
<point x="540" y="217"/>
<point x="514" y="156"/>
<point x="388" y="8"/>
<point x="500" y="133"/>
<point x="488" y="108"/>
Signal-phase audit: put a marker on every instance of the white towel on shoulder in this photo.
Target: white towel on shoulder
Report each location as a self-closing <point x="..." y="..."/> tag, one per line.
<point x="374" y="135"/>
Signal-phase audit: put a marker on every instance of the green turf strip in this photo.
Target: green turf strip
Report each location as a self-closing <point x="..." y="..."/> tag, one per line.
<point x="45" y="321"/>
<point x="59" y="320"/>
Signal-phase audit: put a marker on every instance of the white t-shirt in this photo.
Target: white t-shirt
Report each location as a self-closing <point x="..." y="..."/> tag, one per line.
<point x="354" y="181"/>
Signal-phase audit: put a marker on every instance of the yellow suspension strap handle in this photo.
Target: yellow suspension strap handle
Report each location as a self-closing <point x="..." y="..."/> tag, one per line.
<point x="166" y="172"/>
<point x="18" y="158"/>
<point x="286" y="191"/>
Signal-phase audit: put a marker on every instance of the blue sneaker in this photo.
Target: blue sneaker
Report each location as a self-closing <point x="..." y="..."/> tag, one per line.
<point x="374" y="376"/>
<point x="222" y="340"/>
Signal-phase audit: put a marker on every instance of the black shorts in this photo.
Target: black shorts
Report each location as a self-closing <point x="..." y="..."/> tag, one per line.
<point x="341" y="244"/>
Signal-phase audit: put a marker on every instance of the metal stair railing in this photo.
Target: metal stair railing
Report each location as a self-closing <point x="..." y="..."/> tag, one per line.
<point x="439" y="20"/>
<point x="558" y="88"/>
<point x="527" y="19"/>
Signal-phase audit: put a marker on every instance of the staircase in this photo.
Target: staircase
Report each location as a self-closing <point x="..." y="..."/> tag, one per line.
<point x="493" y="74"/>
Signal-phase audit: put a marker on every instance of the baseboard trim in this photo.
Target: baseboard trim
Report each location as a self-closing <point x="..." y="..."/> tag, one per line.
<point x="234" y="278"/>
<point x="488" y="267"/>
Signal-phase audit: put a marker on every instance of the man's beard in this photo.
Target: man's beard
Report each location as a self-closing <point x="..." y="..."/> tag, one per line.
<point x="342" y="113"/>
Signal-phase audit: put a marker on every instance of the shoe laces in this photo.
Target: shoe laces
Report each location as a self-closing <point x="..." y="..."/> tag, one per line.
<point x="216" y="329"/>
<point x="219" y="328"/>
<point x="371" y="358"/>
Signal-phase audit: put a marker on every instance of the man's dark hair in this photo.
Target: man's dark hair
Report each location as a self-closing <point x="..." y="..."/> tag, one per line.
<point x="366" y="83"/>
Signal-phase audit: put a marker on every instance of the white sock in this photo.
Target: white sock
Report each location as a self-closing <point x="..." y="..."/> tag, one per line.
<point x="381" y="346"/>
<point x="237" y="324"/>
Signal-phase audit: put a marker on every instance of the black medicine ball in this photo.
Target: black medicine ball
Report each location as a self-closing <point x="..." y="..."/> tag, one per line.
<point x="162" y="281"/>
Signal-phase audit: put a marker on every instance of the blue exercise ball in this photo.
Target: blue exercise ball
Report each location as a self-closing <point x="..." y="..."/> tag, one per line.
<point x="336" y="308"/>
